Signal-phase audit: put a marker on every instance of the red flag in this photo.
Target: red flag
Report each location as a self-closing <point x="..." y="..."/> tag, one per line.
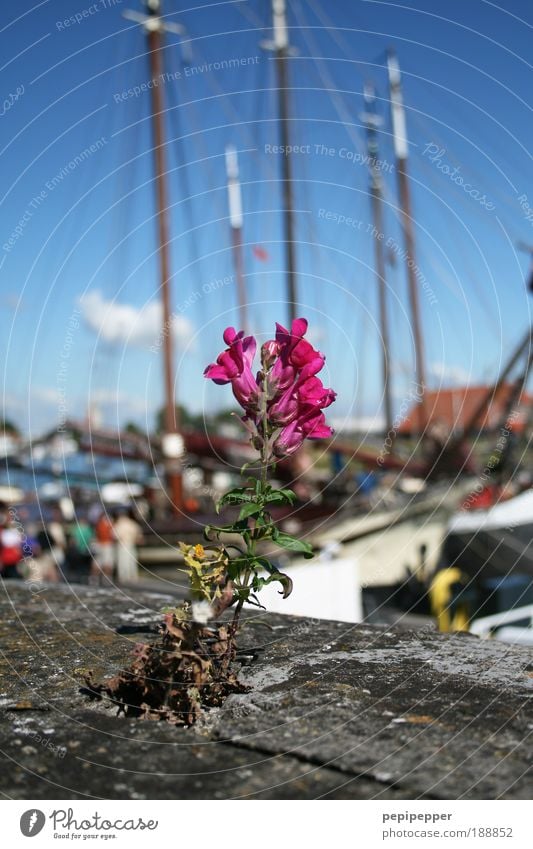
<point x="260" y="253"/>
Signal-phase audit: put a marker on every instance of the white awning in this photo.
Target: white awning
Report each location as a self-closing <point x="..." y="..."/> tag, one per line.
<point x="508" y="514"/>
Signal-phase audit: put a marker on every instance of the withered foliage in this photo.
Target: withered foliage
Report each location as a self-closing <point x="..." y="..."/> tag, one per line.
<point x="189" y="666"/>
<point x="186" y="669"/>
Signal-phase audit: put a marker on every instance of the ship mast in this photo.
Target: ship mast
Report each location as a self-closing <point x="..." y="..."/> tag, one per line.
<point x="235" y="220"/>
<point x="282" y="50"/>
<point x="372" y="121"/>
<point x="479" y="415"/>
<point x="172" y="441"/>
<point x="399" y="130"/>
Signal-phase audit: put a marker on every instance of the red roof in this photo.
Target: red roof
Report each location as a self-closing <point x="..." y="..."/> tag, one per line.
<point x="454" y="408"/>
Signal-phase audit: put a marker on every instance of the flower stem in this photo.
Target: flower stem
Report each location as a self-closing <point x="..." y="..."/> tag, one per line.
<point x="264" y="448"/>
<point x="256" y="533"/>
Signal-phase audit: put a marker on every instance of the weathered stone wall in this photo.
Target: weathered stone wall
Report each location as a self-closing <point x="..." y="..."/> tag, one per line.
<point x="336" y="710"/>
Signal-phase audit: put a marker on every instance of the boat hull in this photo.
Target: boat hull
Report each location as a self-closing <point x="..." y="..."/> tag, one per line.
<point x="494" y="542"/>
<point x="493" y="554"/>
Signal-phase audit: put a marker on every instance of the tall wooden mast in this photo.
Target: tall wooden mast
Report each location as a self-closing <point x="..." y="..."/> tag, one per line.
<point x="282" y="50"/>
<point x="372" y="122"/>
<point x="235" y="220"/>
<point x="399" y="130"/>
<point x="172" y="441"/>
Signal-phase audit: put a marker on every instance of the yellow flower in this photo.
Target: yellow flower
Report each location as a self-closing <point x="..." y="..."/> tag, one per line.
<point x="206" y="570"/>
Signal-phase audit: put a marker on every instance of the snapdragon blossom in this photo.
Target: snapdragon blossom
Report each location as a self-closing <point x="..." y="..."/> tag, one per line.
<point x="284" y="401"/>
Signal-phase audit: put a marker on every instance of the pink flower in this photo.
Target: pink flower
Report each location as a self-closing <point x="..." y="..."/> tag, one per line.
<point x="234" y="366"/>
<point x="294" y="354"/>
<point x="295" y="349"/>
<point x="311" y="425"/>
<point x="281" y="376"/>
<point x="285" y="408"/>
<point x="284" y="403"/>
<point x="289" y="339"/>
<point x="313" y="392"/>
<point x="315" y="427"/>
<point x="289" y="441"/>
<point x="302" y="393"/>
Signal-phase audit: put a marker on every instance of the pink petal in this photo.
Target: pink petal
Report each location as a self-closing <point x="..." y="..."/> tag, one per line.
<point x="217" y="373"/>
<point x="230" y="335"/>
<point x="299" y="327"/>
<point x="321" y="432"/>
<point x="313" y="366"/>
<point x="288" y="441"/>
<point x="249" y="347"/>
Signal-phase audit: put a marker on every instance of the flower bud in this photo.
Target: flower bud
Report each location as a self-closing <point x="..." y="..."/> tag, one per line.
<point x="269" y="352"/>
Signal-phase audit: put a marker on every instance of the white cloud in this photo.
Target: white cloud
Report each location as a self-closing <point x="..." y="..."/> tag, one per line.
<point x="51" y="395"/>
<point x="450" y="375"/>
<point x="13" y="402"/>
<point x="367" y="424"/>
<point x="124" y="324"/>
<point x="12" y="301"/>
<point x="110" y="405"/>
<point x="315" y="335"/>
<point x="126" y="404"/>
<point x="46" y="394"/>
<point x="105" y="396"/>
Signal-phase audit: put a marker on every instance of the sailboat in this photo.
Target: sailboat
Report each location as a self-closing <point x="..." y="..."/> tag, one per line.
<point x="492" y="533"/>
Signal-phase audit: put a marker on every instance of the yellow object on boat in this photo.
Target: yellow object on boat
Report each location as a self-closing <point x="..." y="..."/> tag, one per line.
<point x="449" y="618"/>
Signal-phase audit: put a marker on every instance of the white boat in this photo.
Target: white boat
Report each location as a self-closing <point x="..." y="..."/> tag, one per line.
<point x="493" y="542"/>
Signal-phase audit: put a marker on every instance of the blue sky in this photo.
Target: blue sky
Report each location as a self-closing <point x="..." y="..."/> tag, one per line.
<point x="79" y="301"/>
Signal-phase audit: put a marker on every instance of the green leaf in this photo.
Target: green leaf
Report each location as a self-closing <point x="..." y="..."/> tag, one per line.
<point x="237" y="527"/>
<point x="242" y="593"/>
<point x="285" y="582"/>
<point x="293" y="544"/>
<point x="265" y="522"/>
<point x="258" y="583"/>
<point x="253" y="600"/>
<point x="263" y="563"/>
<point x="280" y="496"/>
<point x="251" y="509"/>
<point x="288" y="494"/>
<point x="239" y="495"/>
<point x="234" y="569"/>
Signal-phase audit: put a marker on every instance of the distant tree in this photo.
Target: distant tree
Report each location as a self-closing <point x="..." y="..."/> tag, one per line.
<point x="8" y="427"/>
<point x="196" y="421"/>
<point x="227" y="415"/>
<point x="185" y="418"/>
<point x="131" y="427"/>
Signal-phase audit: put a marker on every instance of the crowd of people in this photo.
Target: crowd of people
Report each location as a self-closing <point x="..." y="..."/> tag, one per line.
<point x="98" y="548"/>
